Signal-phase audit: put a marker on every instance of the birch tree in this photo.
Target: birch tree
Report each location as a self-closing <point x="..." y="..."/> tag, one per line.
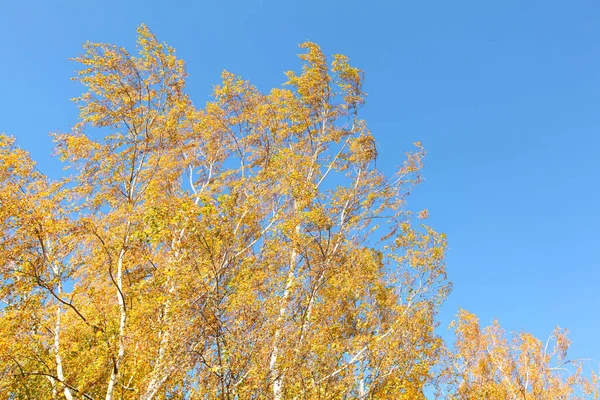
<point x="247" y="248"/>
<point x="488" y="363"/>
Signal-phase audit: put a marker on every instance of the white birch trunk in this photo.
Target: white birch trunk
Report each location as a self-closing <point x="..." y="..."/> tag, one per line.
<point x="57" y="328"/>
<point x="122" y="321"/>
<point x="160" y="372"/>
<point x="57" y="357"/>
<point x="274" y="370"/>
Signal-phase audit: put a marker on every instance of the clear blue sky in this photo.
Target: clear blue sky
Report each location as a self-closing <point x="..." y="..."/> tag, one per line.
<point x="504" y="95"/>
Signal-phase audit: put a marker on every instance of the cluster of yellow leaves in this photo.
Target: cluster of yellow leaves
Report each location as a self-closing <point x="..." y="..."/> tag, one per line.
<point x="488" y="364"/>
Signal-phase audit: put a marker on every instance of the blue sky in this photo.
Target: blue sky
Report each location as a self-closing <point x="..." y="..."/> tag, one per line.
<point x="504" y="96"/>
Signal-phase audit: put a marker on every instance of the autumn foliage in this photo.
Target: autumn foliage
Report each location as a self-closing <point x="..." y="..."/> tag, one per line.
<point x="247" y="249"/>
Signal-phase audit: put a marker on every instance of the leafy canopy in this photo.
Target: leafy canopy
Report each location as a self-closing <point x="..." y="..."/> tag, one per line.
<point x="246" y="249"/>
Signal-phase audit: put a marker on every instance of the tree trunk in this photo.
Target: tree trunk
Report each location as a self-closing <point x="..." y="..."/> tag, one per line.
<point x="122" y="321"/>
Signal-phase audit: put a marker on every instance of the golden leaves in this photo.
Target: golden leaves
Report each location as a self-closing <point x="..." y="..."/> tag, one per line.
<point x="487" y="363"/>
<point x="363" y="149"/>
<point x="313" y="84"/>
<point x="423" y="214"/>
<point x="350" y="80"/>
